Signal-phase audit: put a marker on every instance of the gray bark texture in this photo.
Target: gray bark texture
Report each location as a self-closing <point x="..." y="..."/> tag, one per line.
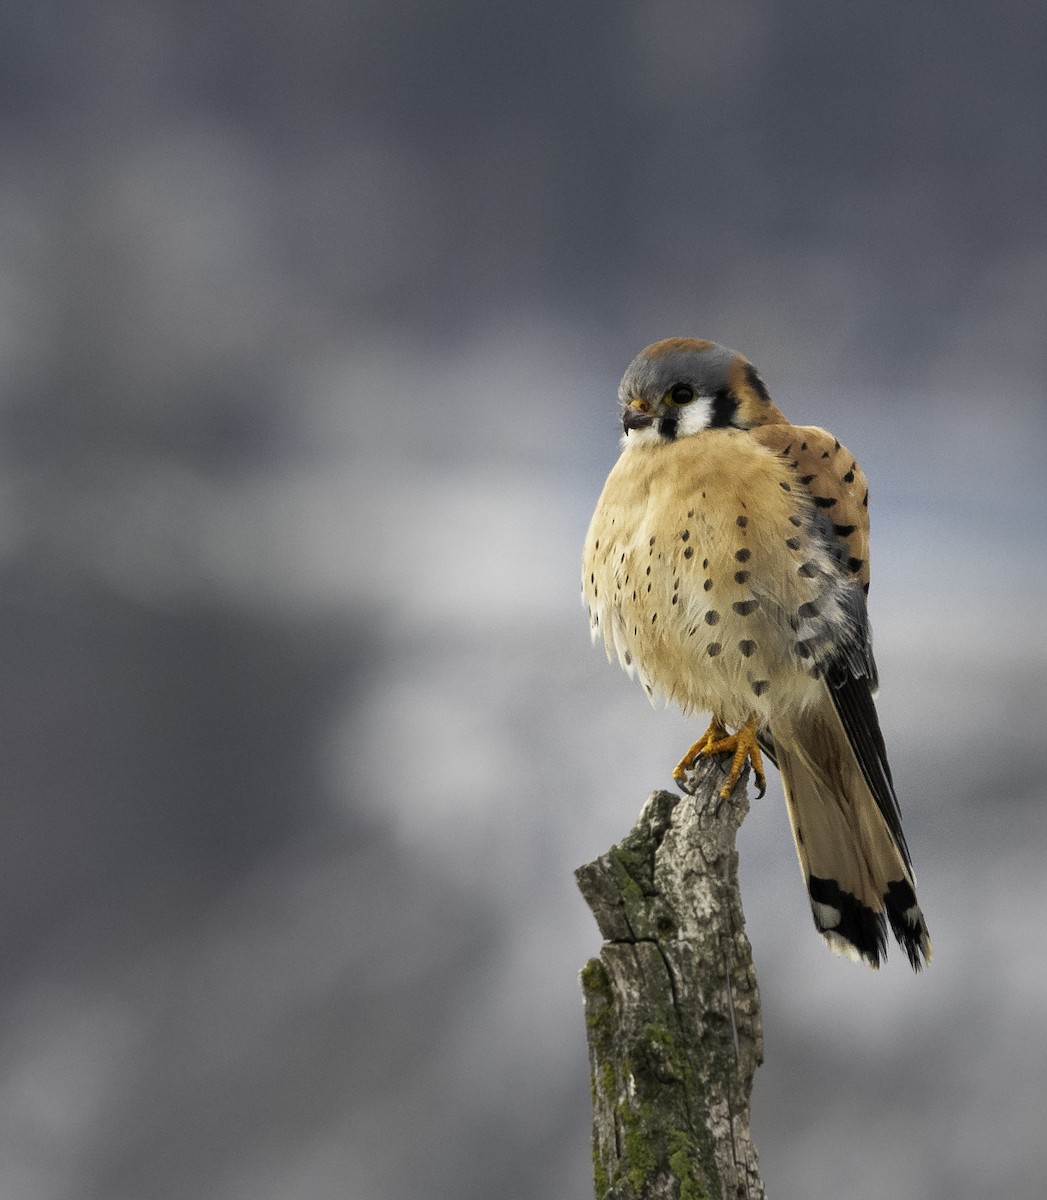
<point x="671" y="1005"/>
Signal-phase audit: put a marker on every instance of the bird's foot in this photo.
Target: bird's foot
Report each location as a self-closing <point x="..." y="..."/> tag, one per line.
<point x="712" y="737"/>
<point x="743" y="747"/>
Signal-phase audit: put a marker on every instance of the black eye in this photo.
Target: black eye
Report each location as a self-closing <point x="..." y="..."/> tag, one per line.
<point x="681" y="393"/>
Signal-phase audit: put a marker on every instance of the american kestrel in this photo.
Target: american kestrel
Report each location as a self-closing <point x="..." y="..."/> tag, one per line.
<point x="727" y="566"/>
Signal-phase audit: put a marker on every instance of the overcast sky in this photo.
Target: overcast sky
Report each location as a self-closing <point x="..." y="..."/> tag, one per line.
<point x="311" y="321"/>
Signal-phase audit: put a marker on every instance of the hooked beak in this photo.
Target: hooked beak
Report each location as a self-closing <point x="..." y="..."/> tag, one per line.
<point x="636" y="416"/>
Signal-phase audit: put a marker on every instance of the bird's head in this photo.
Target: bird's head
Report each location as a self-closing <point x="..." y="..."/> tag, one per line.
<point x="680" y="386"/>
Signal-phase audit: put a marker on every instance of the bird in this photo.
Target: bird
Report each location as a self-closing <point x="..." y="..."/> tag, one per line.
<point x="727" y="568"/>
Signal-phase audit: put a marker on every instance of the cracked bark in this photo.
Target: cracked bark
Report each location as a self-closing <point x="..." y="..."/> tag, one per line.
<point x="671" y="1005"/>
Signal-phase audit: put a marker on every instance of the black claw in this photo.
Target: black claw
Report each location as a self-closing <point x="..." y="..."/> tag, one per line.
<point x="683" y="784"/>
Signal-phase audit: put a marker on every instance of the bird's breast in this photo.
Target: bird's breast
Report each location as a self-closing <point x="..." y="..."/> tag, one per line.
<point x="695" y="576"/>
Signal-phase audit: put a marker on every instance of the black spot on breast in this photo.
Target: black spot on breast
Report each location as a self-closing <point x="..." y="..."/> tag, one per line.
<point x="713" y="649"/>
<point x="685" y="535"/>
<point x="793" y="543"/>
<point x="865" y="500"/>
<point x="675" y="598"/>
<point x="712" y="617"/>
<point x="784" y="486"/>
<point x="628" y="659"/>
<point x="808" y="570"/>
<point x="705" y="564"/>
<point x="651" y="542"/>
<point x="690" y="512"/>
<point x="676" y="585"/>
<point x="708" y="585"/>
<point x="806" y="479"/>
<point x="843" y="530"/>
<point x="597" y="546"/>
<point x="825" y="454"/>
<point x="808" y="610"/>
<point x="825" y="501"/>
<point x="741" y="522"/>
<point x="648" y="570"/>
<point x="799" y="834"/>
<point x="743" y="555"/>
<point x="747" y="647"/>
<point x="654" y="618"/>
<point x="803" y="445"/>
<point x="744" y="607"/>
<point x="689" y="552"/>
<point x="760" y="686"/>
<point x="849" y="477"/>
<point x="741" y="576"/>
<point x="855" y="564"/>
<point x="803" y="649"/>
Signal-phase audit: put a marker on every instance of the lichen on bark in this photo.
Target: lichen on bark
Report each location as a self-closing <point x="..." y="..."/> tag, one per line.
<point x="671" y="1004"/>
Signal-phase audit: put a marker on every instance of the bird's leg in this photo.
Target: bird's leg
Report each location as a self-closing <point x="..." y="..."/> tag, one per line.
<point x="743" y="745"/>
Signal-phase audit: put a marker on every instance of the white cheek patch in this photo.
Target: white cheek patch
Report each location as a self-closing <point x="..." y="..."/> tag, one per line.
<point x="694" y="417"/>
<point x="690" y="419"/>
<point x="648" y="436"/>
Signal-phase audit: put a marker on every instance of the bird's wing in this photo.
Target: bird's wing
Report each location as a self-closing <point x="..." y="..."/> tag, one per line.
<point x="839" y="519"/>
<point x="842" y="802"/>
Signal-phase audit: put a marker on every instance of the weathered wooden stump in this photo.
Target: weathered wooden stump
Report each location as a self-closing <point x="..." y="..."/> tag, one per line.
<point x="671" y="1004"/>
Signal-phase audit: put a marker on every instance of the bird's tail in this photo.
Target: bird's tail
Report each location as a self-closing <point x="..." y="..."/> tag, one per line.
<point x="856" y="867"/>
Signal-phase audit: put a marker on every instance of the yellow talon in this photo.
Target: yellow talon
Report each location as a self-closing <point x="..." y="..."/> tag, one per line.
<point x="743" y="745"/>
<point x="711" y="737"/>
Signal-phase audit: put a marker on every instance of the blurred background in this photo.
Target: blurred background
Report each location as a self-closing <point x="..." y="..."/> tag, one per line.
<point x="311" y="320"/>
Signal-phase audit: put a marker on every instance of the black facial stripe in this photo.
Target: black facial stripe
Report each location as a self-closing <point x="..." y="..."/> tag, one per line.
<point x="667" y="427"/>
<point x="723" y="409"/>
<point x="756" y="383"/>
